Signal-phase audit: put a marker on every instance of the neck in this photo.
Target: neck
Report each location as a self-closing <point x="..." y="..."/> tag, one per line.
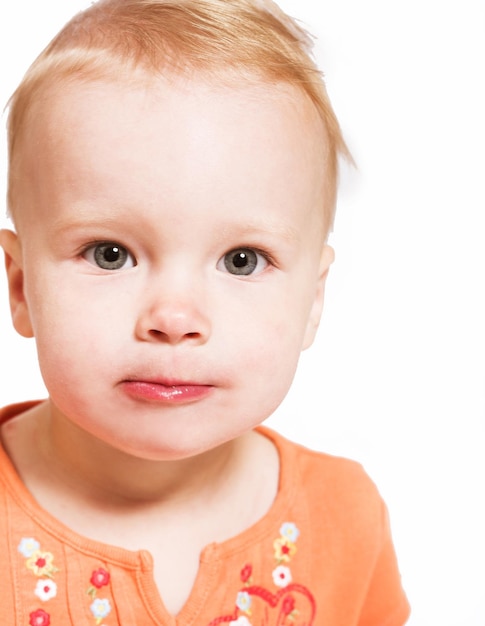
<point x="105" y="494"/>
<point x="77" y="461"/>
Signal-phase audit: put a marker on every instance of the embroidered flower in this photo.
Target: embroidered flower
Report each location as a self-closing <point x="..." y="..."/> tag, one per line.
<point x="240" y="621"/>
<point x="288" y="605"/>
<point x="243" y="601"/>
<point x="283" y="549"/>
<point x="45" y="589"/>
<point x="100" y="609"/>
<point x="41" y="564"/>
<point x="246" y="572"/>
<point x="290" y="531"/>
<point x="39" y="618"/>
<point x="28" y="546"/>
<point x="281" y="576"/>
<point x="99" y="578"/>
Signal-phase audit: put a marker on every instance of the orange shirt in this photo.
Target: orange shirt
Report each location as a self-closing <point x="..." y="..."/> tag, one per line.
<point x="322" y="556"/>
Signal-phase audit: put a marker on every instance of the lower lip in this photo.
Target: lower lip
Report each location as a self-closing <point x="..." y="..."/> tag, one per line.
<point x="171" y="394"/>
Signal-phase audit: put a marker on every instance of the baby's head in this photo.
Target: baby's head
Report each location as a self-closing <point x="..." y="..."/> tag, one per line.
<point x="172" y="181"/>
<point x="224" y="42"/>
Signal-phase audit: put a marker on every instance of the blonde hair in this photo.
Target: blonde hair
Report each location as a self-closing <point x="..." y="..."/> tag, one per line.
<point x="252" y="38"/>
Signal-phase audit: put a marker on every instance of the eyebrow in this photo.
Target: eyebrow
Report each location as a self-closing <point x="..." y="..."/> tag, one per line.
<point x="77" y="223"/>
<point x="250" y="228"/>
<point x="263" y="227"/>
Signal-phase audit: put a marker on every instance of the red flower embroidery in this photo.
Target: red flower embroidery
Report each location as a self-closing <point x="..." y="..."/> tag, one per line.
<point x="288" y="605"/>
<point x="292" y="603"/>
<point x="246" y="572"/>
<point x="99" y="578"/>
<point x="39" y="618"/>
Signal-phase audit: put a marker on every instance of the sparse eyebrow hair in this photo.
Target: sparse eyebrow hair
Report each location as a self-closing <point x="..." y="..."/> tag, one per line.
<point x="64" y="226"/>
<point x="247" y="228"/>
<point x="264" y="227"/>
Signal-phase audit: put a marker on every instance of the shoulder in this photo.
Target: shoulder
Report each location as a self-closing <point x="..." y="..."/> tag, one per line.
<point x="333" y="490"/>
<point x="344" y="536"/>
<point x="320" y="471"/>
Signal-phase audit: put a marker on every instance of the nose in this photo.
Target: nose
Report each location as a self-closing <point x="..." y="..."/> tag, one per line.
<point x="173" y="318"/>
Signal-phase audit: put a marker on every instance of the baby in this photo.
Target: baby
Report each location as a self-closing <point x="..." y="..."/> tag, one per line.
<point x="172" y="182"/>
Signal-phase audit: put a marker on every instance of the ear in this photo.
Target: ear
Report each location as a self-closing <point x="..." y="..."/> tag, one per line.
<point x="19" y="309"/>
<point x="326" y="259"/>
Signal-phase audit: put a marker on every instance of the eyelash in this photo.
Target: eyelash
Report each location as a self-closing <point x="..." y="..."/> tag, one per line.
<point x="249" y="256"/>
<point x="91" y="253"/>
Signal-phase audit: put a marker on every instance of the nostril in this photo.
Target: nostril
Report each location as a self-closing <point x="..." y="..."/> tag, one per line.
<point x="159" y="335"/>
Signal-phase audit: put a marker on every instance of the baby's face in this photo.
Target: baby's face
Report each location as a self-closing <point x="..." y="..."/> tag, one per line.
<point x="172" y="254"/>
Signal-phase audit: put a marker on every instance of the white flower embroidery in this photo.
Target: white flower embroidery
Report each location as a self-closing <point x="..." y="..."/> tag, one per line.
<point x="290" y="531"/>
<point x="45" y="589"/>
<point x="28" y="546"/>
<point x="243" y="601"/>
<point x="100" y="609"/>
<point x="281" y="576"/>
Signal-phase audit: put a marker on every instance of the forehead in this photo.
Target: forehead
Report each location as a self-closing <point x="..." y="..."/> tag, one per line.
<point x="247" y="96"/>
<point x="211" y="134"/>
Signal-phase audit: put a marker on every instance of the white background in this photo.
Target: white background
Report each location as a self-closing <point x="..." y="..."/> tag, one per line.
<point x="396" y="379"/>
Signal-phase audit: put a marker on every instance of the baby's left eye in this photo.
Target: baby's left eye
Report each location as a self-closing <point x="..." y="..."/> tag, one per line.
<point x="243" y="262"/>
<point x="109" y="256"/>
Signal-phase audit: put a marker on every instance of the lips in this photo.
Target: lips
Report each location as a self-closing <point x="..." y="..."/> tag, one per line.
<point x="171" y="392"/>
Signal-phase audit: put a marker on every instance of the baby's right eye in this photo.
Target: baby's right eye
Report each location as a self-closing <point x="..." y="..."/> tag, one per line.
<point x="109" y="256"/>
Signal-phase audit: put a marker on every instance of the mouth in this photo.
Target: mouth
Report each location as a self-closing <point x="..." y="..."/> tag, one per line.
<point x="169" y="392"/>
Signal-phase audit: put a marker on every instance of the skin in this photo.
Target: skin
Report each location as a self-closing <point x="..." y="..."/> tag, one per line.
<point x="159" y="366"/>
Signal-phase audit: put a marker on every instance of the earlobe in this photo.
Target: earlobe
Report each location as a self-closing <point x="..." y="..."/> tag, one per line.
<point x="10" y="243"/>
<point x="326" y="259"/>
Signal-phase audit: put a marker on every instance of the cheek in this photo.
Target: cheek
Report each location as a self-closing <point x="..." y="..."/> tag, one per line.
<point x="272" y="339"/>
<point x="70" y="330"/>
